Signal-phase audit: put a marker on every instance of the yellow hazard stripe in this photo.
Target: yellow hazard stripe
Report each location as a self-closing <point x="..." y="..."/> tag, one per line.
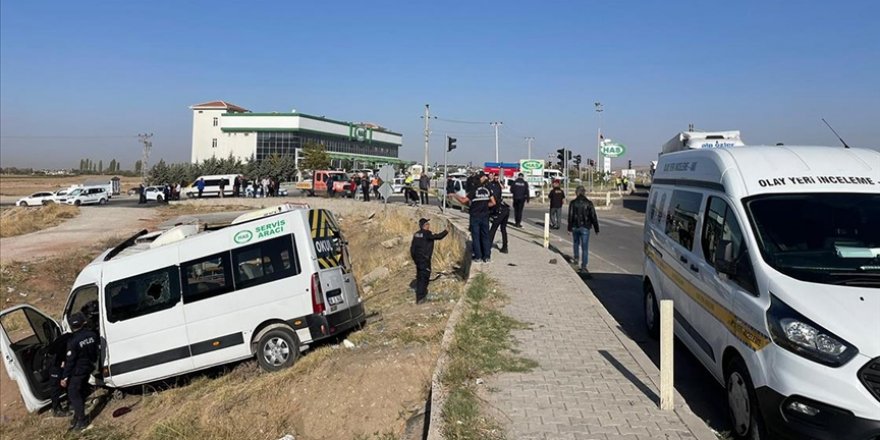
<point x="749" y="335"/>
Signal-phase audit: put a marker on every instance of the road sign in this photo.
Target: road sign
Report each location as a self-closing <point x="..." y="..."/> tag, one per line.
<point x="532" y="170"/>
<point x="613" y="150"/>
<point x="385" y="190"/>
<point x="386" y="173"/>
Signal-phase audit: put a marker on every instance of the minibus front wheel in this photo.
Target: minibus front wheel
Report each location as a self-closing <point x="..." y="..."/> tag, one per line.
<point x="652" y="312"/>
<point x="277" y="349"/>
<point x="742" y="402"/>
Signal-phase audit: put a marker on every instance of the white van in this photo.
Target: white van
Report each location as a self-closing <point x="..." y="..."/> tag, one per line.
<point x="87" y="196"/>
<point x="772" y="258"/>
<point x="173" y="302"/>
<point x="212" y="186"/>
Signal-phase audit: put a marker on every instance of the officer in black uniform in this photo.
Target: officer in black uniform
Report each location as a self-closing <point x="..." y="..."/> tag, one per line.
<point x="520" y="192"/>
<point x="498" y="214"/>
<point x="82" y="355"/>
<point x="422" y="250"/>
<point x="56" y="355"/>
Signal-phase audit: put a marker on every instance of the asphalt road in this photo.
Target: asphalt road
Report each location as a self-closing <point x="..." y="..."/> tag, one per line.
<point x="615" y="264"/>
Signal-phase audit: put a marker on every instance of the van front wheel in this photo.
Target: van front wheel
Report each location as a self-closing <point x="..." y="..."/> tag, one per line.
<point x="742" y="403"/>
<point x="277" y="349"/>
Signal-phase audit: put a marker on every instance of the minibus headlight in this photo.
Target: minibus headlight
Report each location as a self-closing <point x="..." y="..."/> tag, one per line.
<point x="800" y="335"/>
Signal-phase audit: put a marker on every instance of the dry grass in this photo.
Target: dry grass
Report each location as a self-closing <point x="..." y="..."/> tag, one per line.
<point x="19" y="220"/>
<point x="369" y="392"/>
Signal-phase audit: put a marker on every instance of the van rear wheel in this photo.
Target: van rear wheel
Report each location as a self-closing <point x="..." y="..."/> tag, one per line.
<point x="277" y="349"/>
<point x="652" y="312"/>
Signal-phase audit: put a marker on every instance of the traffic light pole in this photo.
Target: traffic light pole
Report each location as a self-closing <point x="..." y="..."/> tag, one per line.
<point x="445" y="171"/>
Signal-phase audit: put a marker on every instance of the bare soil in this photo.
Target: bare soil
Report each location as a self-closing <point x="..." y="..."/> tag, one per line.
<point x="25" y="185"/>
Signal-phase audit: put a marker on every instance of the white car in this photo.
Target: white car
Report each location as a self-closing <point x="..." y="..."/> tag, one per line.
<point x="155" y="193"/>
<point x="37" y="199"/>
<point x="87" y="196"/>
<point x="508" y="183"/>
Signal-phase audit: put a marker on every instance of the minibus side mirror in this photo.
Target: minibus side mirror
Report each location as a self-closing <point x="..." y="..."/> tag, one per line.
<point x="724" y="258"/>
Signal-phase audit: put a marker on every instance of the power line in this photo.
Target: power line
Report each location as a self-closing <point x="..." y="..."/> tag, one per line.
<point x="456" y="121"/>
<point x="63" y="137"/>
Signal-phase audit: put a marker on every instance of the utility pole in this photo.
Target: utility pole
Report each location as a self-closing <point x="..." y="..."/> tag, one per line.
<point x="599" y="109"/>
<point x="530" y="139"/>
<point x="427" y="119"/>
<point x="496" y="125"/>
<point x="146" y="139"/>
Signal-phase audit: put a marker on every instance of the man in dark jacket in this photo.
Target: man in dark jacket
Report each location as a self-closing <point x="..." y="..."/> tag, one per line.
<point x="557" y="199"/>
<point x="480" y="201"/>
<point x="520" y="192"/>
<point x="424" y="184"/>
<point x="498" y="214"/>
<point x="81" y="357"/>
<point x="582" y="218"/>
<point x="422" y="250"/>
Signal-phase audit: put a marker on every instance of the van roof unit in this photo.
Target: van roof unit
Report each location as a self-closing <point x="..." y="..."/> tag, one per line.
<point x="688" y="140"/>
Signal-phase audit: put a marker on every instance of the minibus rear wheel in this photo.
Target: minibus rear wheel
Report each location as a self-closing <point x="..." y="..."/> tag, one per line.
<point x="277" y="349"/>
<point x="742" y="402"/>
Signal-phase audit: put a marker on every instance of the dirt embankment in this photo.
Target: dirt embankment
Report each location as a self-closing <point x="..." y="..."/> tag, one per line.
<point x="23" y="220"/>
<point x="374" y="390"/>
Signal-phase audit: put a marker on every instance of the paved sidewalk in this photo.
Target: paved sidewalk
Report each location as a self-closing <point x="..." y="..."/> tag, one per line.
<point x="592" y="381"/>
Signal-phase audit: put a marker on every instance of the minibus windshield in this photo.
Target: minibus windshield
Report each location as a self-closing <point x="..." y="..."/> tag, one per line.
<point x="820" y="237"/>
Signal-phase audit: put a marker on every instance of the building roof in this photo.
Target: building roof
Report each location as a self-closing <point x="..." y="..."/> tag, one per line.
<point x="220" y="105"/>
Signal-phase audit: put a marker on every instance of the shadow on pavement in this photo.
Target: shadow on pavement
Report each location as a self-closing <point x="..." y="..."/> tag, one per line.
<point x="638" y="204"/>
<point x="630" y="376"/>
<point x="621" y="295"/>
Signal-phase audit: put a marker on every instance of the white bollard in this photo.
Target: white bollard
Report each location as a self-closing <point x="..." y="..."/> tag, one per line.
<point x="666" y="358"/>
<point x="546" y="230"/>
<point x="608" y="198"/>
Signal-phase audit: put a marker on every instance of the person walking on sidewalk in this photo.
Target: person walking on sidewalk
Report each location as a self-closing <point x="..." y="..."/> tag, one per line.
<point x="480" y="201"/>
<point x="422" y="251"/>
<point x="557" y="199"/>
<point x="82" y="355"/>
<point x="581" y="218"/>
<point x="520" y="192"/>
<point x="424" y="184"/>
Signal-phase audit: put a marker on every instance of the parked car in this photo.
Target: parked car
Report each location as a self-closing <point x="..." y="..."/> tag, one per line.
<point x="317" y="185"/>
<point x="397" y="185"/>
<point x="508" y="183"/>
<point x="87" y="196"/>
<point x="37" y="199"/>
<point x="458" y="187"/>
<point x="155" y="193"/>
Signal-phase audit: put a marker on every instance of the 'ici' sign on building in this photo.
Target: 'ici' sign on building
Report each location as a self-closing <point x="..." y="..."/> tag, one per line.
<point x="360" y="133"/>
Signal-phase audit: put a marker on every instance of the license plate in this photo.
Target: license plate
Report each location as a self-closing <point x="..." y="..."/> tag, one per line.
<point x="334" y="300"/>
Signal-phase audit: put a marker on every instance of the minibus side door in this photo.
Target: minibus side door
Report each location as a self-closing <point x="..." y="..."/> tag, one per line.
<point x="25" y="335"/>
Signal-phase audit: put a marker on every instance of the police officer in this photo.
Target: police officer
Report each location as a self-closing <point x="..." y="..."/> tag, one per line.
<point x="422" y="250"/>
<point x="520" y="192"/>
<point x="498" y="214"/>
<point x="557" y="199"/>
<point x="57" y="354"/>
<point x="480" y="200"/>
<point x="82" y="355"/>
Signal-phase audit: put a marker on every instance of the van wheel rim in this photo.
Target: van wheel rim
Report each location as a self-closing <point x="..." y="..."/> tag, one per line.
<point x="649" y="310"/>
<point x="276" y="351"/>
<point x="738" y="401"/>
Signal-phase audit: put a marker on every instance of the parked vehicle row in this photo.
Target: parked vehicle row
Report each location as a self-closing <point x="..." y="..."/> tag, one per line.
<point x="72" y="196"/>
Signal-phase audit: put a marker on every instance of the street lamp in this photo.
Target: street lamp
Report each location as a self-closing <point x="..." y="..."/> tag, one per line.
<point x="599" y="109"/>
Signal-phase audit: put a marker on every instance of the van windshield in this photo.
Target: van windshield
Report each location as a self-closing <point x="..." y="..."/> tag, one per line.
<point x="822" y="238"/>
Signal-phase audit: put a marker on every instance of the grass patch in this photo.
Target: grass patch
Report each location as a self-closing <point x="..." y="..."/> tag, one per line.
<point x="483" y="345"/>
<point x="21" y="220"/>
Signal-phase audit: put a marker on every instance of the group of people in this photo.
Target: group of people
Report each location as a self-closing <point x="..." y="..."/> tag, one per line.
<point x="416" y="193"/>
<point x="489" y="213"/>
<point x="365" y="185"/>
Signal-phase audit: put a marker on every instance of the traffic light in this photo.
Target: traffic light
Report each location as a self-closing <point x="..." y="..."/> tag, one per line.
<point x="591" y="162"/>
<point x="577" y="161"/>
<point x="568" y="155"/>
<point x="629" y="165"/>
<point x="450" y="143"/>
<point x="560" y="155"/>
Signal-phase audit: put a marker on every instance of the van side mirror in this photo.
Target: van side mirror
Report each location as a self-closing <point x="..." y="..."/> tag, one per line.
<point x="724" y="258"/>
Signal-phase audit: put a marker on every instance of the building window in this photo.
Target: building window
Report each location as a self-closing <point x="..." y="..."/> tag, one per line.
<point x="214" y="143"/>
<point x="216" y="121"/>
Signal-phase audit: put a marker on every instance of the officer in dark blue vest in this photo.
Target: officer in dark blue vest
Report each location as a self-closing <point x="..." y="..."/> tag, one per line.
<point x="82" y="355"/>
<point x="422" y="250"/>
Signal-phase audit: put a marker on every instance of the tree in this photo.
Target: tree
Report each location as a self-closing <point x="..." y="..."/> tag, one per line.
<point x="138" y="167"/>
<point x="101" y="166"/>
<point x="315" y="157"/>
<point x="112" y="167"/>
<point x="159" y="174"/>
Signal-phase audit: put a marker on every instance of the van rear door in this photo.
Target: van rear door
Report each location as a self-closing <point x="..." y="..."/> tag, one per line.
<point x="337" y="281"/>
<point x="24" y="344"/>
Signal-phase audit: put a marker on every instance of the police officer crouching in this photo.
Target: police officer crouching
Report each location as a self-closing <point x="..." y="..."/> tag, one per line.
<point x="82" y="355"/>
<point x="422" y="250"/>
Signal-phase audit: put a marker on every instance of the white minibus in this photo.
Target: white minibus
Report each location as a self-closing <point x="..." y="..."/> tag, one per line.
<point x="172" y="302"/>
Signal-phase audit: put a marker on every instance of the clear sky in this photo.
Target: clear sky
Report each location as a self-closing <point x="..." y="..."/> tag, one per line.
<point x="82" y="78"/>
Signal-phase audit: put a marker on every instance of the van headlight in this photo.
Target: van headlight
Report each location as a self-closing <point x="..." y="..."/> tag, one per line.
<point x="798" y="334"/>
